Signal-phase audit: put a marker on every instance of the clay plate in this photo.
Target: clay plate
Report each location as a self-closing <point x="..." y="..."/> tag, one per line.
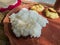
<point x="50" y="34"/>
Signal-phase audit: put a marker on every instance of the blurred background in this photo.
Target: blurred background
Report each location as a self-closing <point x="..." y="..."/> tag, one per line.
<point x="45" y="1"/>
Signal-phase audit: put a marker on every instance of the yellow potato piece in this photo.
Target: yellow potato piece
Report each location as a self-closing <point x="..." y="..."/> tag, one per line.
<point x="52" y="15"/>
<point x="47" y="13"/>
<point x="52" y="9"/>
<point x="38" y="8"/>
<point x="33" y="8"/>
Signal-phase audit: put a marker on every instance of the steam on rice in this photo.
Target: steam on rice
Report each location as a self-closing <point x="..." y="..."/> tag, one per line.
<point x="27" y="22"/>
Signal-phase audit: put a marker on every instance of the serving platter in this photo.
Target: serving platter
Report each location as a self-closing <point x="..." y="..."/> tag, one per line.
<point x="50" y="34"/>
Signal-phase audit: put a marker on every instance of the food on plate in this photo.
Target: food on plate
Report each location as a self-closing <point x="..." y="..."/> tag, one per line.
<point x="51" y="13"/>
<point x="52" y="9"/>
<point x="27" y="22"/>
<point x="38" y="7"/>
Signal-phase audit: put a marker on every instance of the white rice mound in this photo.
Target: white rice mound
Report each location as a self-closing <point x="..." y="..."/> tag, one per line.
<point x="27" y="22"/>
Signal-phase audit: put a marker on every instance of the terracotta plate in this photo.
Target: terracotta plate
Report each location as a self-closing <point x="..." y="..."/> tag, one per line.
<point x="50" y="34"/>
